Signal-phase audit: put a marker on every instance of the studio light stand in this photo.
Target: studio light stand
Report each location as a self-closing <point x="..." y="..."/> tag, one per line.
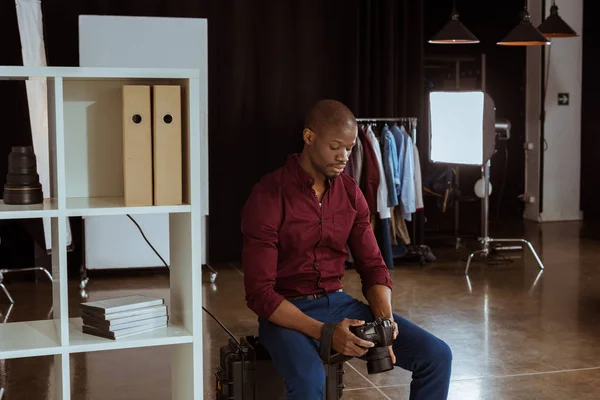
<point x="486" y="240"/>
<point x="7" y="271"/>
<point x="463" y="131"/>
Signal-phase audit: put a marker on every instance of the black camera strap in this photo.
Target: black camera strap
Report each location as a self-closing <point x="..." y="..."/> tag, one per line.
<point x="326" y="339"/>
<point x="325" y="346"/>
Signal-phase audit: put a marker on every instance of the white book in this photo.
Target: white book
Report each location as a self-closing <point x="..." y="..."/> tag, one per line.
<point x="160" y="322"/>
<point x="144" y="312"/>
<point x="119" y="323"/>
<point x="118" y="304"/>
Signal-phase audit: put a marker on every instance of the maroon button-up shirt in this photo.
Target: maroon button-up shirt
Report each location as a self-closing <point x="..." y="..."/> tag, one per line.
<point x="293" y="246"/>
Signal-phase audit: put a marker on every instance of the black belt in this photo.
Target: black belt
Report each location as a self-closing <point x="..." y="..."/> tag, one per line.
<point x="312" y="296"/>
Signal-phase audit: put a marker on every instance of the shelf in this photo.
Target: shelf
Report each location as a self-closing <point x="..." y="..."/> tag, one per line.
<point x="21" y="72"/>
<point x="28" y="339"/>
<point x="83" y="156"/>
<point x="49" y="208"/>
<point x="90" y="206"/>
<point x="175" y="333"/>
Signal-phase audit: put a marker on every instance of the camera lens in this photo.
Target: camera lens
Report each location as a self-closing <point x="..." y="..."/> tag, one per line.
<point x="378" y="360"/>
<point x="22" y="181"/>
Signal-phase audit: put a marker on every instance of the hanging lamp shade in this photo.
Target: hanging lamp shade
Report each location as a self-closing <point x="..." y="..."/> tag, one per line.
<point x="555" y="27"/>
<point x="454" y="32"/>
<point x="524" y="34"/>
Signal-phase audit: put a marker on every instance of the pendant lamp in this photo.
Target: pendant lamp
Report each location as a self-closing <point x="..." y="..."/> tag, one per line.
<point x="554" y="26"/>
<point x="454" y="32"/>
<point x="524" y="34"/>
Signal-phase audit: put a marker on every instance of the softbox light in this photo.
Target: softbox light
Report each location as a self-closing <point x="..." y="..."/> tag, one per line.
<point x="462" y="127"/>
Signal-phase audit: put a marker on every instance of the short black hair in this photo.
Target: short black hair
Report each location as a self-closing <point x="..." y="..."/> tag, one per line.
<point x="328" y="113"/>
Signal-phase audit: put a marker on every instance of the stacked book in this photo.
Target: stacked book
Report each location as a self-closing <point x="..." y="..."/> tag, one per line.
<point x="123" y="316"/>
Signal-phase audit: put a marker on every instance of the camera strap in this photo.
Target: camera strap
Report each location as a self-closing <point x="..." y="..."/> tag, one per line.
<point x="326" y="338"/>
<point x="325" y="346"/>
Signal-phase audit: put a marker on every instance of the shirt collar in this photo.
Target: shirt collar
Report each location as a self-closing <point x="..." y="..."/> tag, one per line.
<point x="293" y="166"/>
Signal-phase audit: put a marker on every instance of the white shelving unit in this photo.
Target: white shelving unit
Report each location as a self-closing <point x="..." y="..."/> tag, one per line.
<point x="85" y="137"/>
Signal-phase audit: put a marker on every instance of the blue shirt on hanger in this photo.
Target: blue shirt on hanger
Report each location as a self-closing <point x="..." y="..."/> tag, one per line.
<point x="391" y="165"/>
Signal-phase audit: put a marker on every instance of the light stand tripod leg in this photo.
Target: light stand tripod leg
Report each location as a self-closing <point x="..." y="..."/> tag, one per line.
<point x="471" y="256"/>
<point x="6" y="293"/>
<point x="486" y="240"/>
<point x="535" y="254"/>
<point x="524" y="241"/>
<point x="41" y="269"/>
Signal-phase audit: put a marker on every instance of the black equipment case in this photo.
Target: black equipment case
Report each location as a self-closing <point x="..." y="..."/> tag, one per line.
<point x="246" y="372"/>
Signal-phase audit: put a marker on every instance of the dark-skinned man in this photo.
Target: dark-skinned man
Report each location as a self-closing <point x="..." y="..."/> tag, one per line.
<point x="296" y="225"/>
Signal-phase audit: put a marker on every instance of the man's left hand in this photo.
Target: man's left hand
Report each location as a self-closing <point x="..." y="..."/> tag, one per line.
<point x="390" y="348"/>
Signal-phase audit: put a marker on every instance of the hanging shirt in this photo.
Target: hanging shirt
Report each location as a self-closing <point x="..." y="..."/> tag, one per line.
<point x="407" y="195"/>
<point x="357" y="159"/>
<point x="399" y="138"/>
<point x="390" y="165"/>
<point x="382" y="192"/>
<point x="369" y="175"/>
<point x="418" y="181"/>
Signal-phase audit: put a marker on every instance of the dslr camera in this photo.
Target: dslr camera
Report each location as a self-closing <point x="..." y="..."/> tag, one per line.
<point x="381" y="333"/>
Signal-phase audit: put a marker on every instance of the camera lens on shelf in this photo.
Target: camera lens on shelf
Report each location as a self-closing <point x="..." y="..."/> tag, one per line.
<point x="22" y="181"/>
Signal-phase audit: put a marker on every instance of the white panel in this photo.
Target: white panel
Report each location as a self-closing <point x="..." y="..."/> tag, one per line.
<point x="115" y="242"/>
<point x="457" y="127"/>
<point x="145" y="42"/>
<point x="562" y="128"/>
<point x="30" y="21"/>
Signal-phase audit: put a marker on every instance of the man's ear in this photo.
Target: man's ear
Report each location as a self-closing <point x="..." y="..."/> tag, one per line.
<point x="309" y="136"/>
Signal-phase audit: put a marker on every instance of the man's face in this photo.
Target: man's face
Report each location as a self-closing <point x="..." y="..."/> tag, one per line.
<point x="331" y="150"/>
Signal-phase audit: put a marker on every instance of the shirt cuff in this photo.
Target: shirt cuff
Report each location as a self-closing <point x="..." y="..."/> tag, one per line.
<point x="265" y="305"/>
<point x="382" y="279"/>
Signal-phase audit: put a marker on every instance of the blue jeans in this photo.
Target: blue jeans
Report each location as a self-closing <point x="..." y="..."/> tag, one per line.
<point x="296" y="356"/>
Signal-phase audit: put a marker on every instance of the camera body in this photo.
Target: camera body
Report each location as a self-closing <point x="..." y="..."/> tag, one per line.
<point x="381" y="333"/>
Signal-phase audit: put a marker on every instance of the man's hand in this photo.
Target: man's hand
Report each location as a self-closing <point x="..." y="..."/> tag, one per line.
<point x="380" y="302"/>
<point x="346" y="342"/>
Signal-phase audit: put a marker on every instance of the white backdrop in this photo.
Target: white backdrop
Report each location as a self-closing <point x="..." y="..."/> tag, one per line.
<point x="138" y="42"/>
<point x="31" y="32"/>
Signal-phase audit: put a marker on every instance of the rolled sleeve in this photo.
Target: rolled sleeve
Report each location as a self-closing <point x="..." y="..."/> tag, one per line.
<point x="261" y="218"/>
<point x="362" y="243"/>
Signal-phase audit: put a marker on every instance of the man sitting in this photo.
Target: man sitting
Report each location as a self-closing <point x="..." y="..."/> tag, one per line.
<point x="296" y="224"/>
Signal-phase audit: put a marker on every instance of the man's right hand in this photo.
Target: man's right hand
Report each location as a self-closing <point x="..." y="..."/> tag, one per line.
<point x="346" y="342"/>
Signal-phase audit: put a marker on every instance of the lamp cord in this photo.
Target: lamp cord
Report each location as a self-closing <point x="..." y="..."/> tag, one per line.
<point x="546" y="92"/>
<point x="168" y="267"/>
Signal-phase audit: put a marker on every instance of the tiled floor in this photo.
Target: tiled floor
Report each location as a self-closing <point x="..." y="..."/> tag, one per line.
<point x="515" y="333"/>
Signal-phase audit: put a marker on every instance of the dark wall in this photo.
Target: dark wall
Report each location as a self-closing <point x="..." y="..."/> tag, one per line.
<point x="505" y="82"/>
<point x="270" y="60"/>
<point x="590" y="132"/>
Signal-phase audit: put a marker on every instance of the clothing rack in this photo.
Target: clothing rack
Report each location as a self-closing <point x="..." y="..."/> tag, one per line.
<point x="411" y="128"/>
<point x="410" y="125"/>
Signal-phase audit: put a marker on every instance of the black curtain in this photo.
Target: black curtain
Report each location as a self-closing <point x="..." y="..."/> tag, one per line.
<point x="269" y="61"/>
<point x="590" y="140"/>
